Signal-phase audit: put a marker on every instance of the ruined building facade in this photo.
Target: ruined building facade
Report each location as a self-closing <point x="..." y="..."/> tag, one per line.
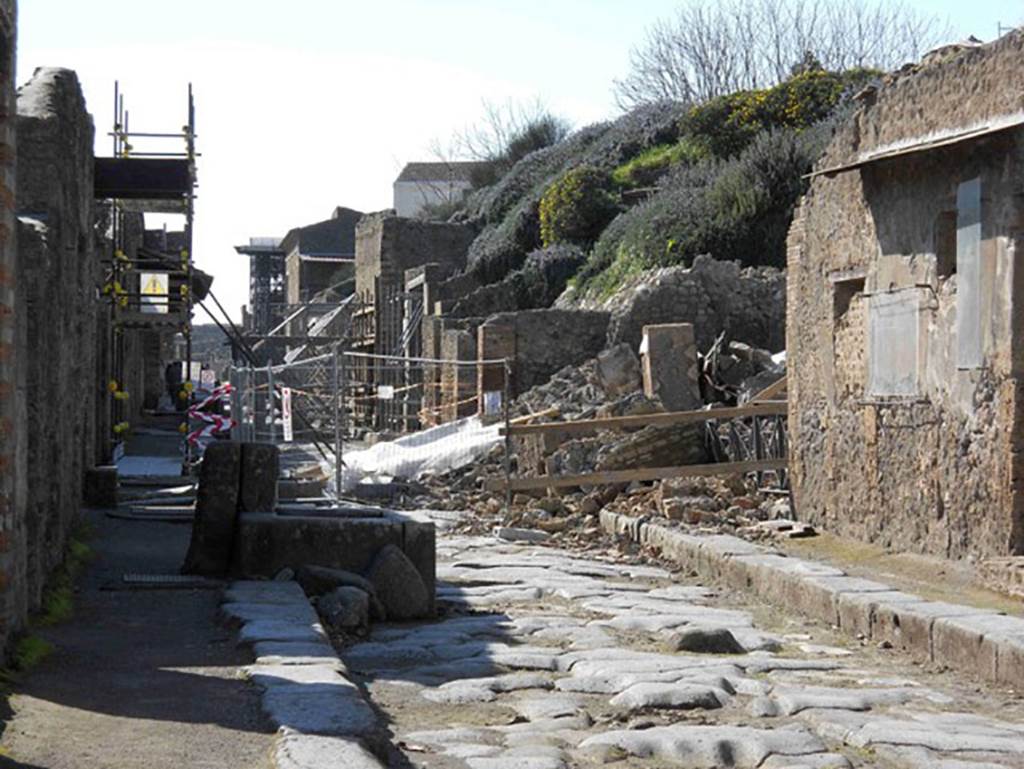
<point x="905" y="329"/>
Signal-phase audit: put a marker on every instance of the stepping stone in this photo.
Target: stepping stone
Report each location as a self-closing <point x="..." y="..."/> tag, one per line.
<point x="675" y="696"/>
<point x="704" y="641"/>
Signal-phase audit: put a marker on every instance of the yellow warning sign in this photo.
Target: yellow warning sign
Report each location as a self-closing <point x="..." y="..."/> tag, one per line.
<point x="154" y="292"/>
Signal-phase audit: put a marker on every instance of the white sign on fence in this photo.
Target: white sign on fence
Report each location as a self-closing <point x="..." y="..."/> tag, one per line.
<point x="385" y="392"/>
<point x="286" y="414"/>
<point x="492" y="403"/>
<point x="155" y="288"/>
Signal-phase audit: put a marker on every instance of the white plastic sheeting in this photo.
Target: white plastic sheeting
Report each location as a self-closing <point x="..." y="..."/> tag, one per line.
<point x="428" y="452"/>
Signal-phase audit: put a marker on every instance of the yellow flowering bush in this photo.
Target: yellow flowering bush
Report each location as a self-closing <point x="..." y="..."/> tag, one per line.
<point x="576" y="207"/>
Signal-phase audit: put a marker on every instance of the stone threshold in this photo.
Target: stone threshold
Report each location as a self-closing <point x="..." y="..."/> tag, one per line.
<point x="322" y="717"/>
<point x="979" y="641"/>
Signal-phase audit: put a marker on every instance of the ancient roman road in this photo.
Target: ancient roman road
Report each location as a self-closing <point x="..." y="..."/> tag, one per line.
<point x="548" y="660"/>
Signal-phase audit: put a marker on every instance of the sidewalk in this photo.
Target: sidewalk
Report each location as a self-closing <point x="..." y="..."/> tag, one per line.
<point x="139" y="678"/>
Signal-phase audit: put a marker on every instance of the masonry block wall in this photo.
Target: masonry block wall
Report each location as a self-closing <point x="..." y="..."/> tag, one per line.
<point x="387" y="245"/>
<point x="57" y="275"/>
<point x="906" y="314"/>
<point x="540" y="342"/>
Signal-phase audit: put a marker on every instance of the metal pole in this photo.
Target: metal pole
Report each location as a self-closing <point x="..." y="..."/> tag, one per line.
<point x="336" y="377"/>
<point x="235" y="409"/>
<point x="270" y="403"/>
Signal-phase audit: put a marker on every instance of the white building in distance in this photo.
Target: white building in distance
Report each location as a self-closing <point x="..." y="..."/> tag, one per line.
<point x="423" y="184"/>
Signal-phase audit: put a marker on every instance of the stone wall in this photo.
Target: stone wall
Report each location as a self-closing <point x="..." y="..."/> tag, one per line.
<point x="387" y="245"/>
<point x="439" y="381"/>
<point x="13" y="602"/>
<point x="895" y="439"/>
<point x="715" y="296"/>
<point x="58" y="321"/>
<point x="545" y="341"/>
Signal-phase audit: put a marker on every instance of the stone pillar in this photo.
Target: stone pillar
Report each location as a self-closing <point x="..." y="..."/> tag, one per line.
<point x="494" y="342"/>
<point x="433" y="330"/>
<point x="458" y="381"/>
<point x="669" y="355"/>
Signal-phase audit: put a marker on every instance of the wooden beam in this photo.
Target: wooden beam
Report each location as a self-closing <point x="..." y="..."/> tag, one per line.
<point x="551" y="412"/>
<point x="643" y="420"/>
<point x="772" y="390"/>
<point x="635" y="474"/>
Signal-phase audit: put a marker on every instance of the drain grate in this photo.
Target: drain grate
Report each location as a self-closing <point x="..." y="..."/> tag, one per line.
<point x="183" y="581"/>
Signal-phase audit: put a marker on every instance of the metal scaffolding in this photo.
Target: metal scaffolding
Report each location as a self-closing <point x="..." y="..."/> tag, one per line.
<point x="147" y="288"/>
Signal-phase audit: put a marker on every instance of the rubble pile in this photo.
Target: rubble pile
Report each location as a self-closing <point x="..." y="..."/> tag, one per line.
<point x="610" y="385"/>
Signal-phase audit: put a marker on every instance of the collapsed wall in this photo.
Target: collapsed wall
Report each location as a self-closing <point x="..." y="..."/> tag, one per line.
<point x="539" y="343"/>
<point x="749" y="304"/>
<point x="59" y="325"/>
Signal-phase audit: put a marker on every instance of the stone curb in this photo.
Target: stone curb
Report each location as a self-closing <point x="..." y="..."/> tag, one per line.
<point x="978" y="641"/>
<point x="322" y="719"/>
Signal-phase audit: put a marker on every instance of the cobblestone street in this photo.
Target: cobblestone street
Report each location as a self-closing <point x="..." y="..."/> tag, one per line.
<point x="550" y="660"/>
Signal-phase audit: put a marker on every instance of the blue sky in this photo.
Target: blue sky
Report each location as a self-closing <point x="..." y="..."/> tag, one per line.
<point x="315" y="103"/>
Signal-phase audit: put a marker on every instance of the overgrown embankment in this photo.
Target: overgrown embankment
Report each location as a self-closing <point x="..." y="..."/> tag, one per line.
<point x="657" y="187"/>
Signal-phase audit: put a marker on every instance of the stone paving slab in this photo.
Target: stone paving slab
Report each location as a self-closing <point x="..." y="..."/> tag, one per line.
<point x="323" y="720"/>
<point x="303" y="751"/>
<point x="964" y="637"/>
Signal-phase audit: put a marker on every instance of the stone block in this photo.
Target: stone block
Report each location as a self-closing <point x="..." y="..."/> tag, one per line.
<point x="266" y="543"/>
<point x="972" y="642"/>
<point x="213" y="530"/>
<point x="419" y="543"/>
<point x="260" y="468"/>
<point x="398" y="585"/>
<point x="819" y="596"/>
<point x="101" y="486"/>
<point x="669" y="354"/>
<point x="857" y="610"/>
<point x="1009" y="659"/>
<point x="290" y="489"/>
<point x="618" y="370"/>
<point x="908" y="626"/>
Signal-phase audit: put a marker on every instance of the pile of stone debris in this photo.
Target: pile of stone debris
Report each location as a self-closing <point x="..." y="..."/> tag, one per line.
<point x="347" y="603"/>
<point x="610" y="385"/>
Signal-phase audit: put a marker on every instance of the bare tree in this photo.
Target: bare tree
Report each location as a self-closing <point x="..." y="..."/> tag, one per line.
<point x="504" y="134"/>
<point x="708" y="50"/>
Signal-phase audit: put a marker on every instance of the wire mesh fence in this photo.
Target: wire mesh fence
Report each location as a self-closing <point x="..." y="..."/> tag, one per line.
<point x="382" y="416"/>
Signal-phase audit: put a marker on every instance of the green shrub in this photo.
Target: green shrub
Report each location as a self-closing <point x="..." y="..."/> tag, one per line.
<point x="29" y="651"/>
<point x="739" y="209"/>
<point x="577" y="207"/>
<point x="726" y="125"/>
<point x="650" y="165"/>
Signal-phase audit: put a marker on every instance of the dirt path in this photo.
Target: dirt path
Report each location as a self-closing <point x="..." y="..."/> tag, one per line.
<point x="139" y="678"/>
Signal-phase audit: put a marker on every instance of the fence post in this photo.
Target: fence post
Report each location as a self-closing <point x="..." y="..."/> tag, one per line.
<point x="337" y="422"/>
<point x="507" y="409"/>
<point x="270" y="403"/>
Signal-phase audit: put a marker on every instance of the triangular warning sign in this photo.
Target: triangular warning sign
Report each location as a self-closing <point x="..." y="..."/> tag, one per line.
<point x="154" y="286"/>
